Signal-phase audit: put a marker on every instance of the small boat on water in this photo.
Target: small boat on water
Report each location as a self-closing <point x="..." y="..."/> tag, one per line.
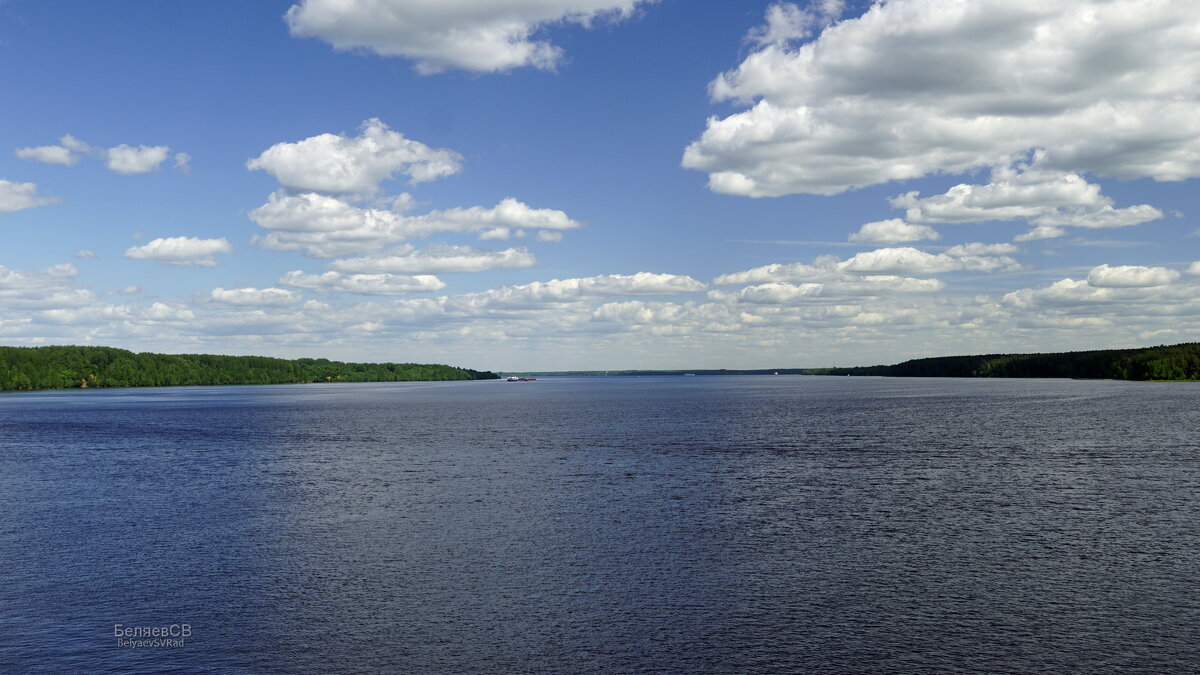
<point x="514" y="378"/>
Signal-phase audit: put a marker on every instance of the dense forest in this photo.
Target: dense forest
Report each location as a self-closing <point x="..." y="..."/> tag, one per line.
<point x="1175" y="362"/>
<point x="66" y="367"/>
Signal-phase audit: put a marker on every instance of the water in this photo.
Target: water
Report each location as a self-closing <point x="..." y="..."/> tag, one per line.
<point x="707" y="524"/>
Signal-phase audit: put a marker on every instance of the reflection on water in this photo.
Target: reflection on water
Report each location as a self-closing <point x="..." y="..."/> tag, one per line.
<point x="726" y="524"/>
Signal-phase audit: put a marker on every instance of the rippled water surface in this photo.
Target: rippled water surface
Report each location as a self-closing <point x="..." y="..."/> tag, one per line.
<point x="700" y="524"/>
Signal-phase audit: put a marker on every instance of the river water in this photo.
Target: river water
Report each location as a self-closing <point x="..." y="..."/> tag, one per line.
<point x="692" y="524"/>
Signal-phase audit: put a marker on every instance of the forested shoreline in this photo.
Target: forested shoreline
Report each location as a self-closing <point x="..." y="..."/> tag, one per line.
<point x="65" y="367"/>
<point x="1173" y="362"/>
<point x="1166" y="362"/>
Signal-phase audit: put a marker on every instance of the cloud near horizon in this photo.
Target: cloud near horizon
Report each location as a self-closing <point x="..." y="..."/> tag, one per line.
<point x="45" y="289"/>
<point x="852" y="303"/>
<point x="889" y="262"/>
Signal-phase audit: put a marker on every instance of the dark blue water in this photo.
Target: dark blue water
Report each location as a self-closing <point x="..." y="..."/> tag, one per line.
<point x="725" y="524"/>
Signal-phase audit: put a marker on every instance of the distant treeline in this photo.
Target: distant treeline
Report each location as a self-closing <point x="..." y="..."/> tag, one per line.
<point x="639" y="373"/>
<point x="66" y="367"/>
<point x="1175" y="362"/>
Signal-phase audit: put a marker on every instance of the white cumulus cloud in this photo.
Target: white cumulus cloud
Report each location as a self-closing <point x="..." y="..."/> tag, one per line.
<point x="825" y="267"/>
<point x="1041" y="232"/>
<point x="363" y="284"/>
<point x="908" y="260"/>
<point x="496" y="35"/>
<point x="787" y="22"/>
<point x="142" y="159"/>
<point x="840" y="290"/>
<point x="255" y="297"/>
<point x="1049" y="200"/>
<point x="981" y="249"/>
<point x="1019" y="192"/>
<point x="19" y="196"/>
<point x="438" y="259"/>
<point x="540" y="293"/>
<point x="182" y="251"/>
<point x="1118" y="296"/>
<point x="1130" y="276"/>
<point x="327" y="227"/>
<point x="66" y="153"/>
<point x="123" y="158"/>
<point x="336" y="163"/>
<point x="49" y="288"/>
<point x="49" y="154"/>
<point x="1103" y="218"/>
<point x="914" y="87"/>
<point x="867" y="275"/>
<point x="641" y="283"/>
<point x="893" y="231"/>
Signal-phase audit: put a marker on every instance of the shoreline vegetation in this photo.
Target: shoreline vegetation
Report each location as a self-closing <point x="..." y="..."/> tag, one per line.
<point x="1166" y="362"/>
<point x="67" y="367"/>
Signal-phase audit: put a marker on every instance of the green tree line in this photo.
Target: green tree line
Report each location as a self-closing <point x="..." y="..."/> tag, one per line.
<point x="1164" y="362"/>
<point x="68" y="366"/>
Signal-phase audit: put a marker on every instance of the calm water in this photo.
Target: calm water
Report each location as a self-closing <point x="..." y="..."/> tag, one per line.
<point x="725" y="524"/>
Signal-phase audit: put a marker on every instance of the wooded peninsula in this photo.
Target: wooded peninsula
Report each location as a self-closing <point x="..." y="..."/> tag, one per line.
<point x="86" y="367"/>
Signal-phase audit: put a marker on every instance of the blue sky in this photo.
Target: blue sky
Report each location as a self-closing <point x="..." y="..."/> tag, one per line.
<point x="561" y="184"/>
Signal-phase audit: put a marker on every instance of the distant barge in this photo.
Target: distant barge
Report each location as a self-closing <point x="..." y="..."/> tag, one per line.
<point x="514" y="378"/>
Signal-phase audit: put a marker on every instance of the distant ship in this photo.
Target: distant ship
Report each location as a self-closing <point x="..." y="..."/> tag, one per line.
<point x="514" y="378"/>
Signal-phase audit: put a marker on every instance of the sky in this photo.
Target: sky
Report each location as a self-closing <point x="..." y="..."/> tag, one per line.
<point x="600" y="184"/>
